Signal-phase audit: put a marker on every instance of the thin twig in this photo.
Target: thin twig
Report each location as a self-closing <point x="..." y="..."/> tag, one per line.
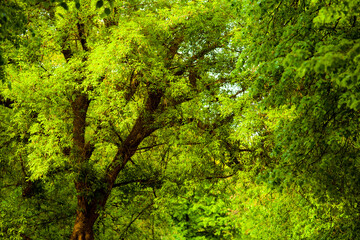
<point x="132" y="221"/>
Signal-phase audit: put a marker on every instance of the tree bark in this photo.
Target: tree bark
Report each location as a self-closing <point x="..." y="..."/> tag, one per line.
<point x="84" y="222"/>
<point x="85" y="214"/>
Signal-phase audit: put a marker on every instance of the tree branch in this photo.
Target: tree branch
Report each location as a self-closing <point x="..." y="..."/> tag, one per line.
<point x="142" y="181"/>
<point x="132" y="221"/>
<point x="24" y="236"/>
<point x="142" y="128"/>
<point x="150" y="147"/>
<point x="81" y="30"/>
<point x="218" y="177"/>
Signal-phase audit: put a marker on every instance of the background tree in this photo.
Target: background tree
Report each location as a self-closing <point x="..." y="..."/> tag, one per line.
<point x="304" y="57"/>
<point x="91" y="92"/>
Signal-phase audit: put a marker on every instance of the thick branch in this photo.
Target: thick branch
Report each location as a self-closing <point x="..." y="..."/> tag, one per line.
<point x="25" y="237"/>
<point x="81" y="30"/>
<point x="79" y="107"/>
<point x="133" y="85"/>
<point x="142" y="128"/>
<point x="174" y="46"/>
<point x="189" y="65"/>
<point x="65" y="50"/>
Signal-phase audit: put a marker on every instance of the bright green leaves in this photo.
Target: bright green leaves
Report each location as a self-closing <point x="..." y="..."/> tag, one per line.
<point x="177" y="50"/>
<point x="339" y="13"/>
<point x="288" y="115"/>
<point x="339" y="61"/>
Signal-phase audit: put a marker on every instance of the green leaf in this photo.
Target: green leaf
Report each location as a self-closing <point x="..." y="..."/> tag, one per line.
<point x="64" y="5"/>
<point x="107" y="11"/>
<point x="99" y="4"/>
<point x="46" y="4"/>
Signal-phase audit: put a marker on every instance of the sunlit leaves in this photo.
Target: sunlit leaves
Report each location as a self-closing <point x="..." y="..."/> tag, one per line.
<point x="119" y="55"/>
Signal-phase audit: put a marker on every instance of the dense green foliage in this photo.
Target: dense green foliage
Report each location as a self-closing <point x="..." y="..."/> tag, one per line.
<point x="305" y="57"/>
<point x="180" y="119"/>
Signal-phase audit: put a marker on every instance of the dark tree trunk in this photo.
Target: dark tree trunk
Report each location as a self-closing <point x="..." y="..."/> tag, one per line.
<point x="86" y="216"/>
<point x="86" y="213"/>
<point x="83" y="227"/>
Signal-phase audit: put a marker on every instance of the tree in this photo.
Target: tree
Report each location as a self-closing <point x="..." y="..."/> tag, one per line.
<point x="304" y="57"/>
<point x="89" y="92"/>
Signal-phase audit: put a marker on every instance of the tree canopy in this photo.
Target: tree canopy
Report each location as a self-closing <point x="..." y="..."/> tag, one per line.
<point x="179" y="119"/>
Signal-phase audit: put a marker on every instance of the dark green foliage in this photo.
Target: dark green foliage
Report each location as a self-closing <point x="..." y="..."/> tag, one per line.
<point x="306" y="58"/>
<point x="12" y="21"/>
<point x="99" y="4"/>
<point x="64" y="5"/>
<point x="107" y="11"/>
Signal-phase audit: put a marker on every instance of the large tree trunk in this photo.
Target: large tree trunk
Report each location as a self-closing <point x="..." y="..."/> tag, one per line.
<point x="83" y="227"/>
<point x="86" y="213"/>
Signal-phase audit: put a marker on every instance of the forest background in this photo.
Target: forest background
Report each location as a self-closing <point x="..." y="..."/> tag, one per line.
<point x="211" y="119"/>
